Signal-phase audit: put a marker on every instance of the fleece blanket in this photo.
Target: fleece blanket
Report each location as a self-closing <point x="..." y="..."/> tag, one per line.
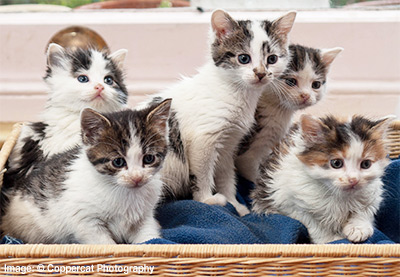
<point x="191" y="222"/>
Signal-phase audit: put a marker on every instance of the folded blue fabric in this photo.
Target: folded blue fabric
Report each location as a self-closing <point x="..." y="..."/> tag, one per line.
<point x="192" y="222"/>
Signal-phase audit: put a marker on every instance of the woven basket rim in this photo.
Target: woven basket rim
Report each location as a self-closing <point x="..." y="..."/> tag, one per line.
<point x="201" y="250"/>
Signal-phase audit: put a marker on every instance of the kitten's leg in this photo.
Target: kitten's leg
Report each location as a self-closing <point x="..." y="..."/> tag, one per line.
<point x="93" y="233"/>
<point x="150" y="229"/>
<point x="203" y="157"/>
<point x="359" y="227"/>
<point x="225" y="180"/>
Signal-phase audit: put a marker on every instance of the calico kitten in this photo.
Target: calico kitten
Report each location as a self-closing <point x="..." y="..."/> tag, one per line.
<point x="213" y="110"/>
<point x="76" y="79"/>
<point x="327" y="174"/>
<point x="103" y="192"/>
<point x="302" y="84"/>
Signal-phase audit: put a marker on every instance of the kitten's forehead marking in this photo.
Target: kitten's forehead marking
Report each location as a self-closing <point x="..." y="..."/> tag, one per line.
<point x="256" y="44"/>
<point x="98" y="68"/>
<point x="134" y="153"/>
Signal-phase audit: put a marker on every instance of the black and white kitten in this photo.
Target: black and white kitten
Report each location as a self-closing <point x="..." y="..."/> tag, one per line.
<point x="102" y="192"/>
<point x="77" y="79"/>
<point x="327" y="174"/>
<point x="213" y="110"/>
<point x="303" y="84"/>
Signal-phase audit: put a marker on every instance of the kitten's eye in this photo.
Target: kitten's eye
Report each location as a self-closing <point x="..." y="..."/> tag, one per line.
<point x="272" y="59"/>
<point x="83" y="78"/>
<point x="119" y="162"/>
<point x="148" y="159"/>
<point x="337" y="163"/>
<point x="109" y="80"/>
<point x="291" y="82"/>
<point x="244" y="59"/>
<point x="365" y="164"/>
<point x="316" y="85"/>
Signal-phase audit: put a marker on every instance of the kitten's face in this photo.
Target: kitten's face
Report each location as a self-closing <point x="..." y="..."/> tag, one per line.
<point x="86" y="78"/>
<point x="344" y="155"/>
<point x="128" y="146"/>
<point x="252" y="53"/>
<point x="303" y="83"/>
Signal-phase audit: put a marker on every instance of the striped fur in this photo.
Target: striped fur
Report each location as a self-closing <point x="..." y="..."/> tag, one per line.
<point x="302" y="84"/>
<point x="326" y="174"/>
<point x="102" y="192"/>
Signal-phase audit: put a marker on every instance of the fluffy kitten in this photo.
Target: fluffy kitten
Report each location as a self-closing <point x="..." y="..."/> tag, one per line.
<point x="212" y="111"/>
<point x="76" y="80"/>
<point x="327" y="174"/>
<point x="302" y="85"/>
<point x="103" y="192"/>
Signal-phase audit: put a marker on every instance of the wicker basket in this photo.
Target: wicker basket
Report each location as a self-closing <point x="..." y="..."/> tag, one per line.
<point x="201" y="260"/>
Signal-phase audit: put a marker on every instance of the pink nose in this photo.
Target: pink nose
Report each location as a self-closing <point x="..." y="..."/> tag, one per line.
<point x="305" y="96"/>
<point x="353" y="181"/>
<point x="99" y="87"/>
<point x="136" y="180"/>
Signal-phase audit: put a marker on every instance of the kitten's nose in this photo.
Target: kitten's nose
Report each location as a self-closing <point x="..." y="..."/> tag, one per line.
<point x="261" y="75"/>
<point x="136" y="180"/>
<point x="353" y="181"/>
<point x="99" y="87"/>
<point x="305" y="96"/>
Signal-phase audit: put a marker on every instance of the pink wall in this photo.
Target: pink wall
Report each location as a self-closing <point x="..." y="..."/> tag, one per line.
<point x="163" y="45"/>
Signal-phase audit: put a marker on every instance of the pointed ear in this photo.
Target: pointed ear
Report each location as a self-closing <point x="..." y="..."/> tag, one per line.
<point x="92" y="125"/>
<point x="158" y="116"/>
<point x="283" y="25"/>
<point x="55" y="55"/>
<point x="383" y="124"/>
<point x="118" y="57"/>
<point x="328" y="55"/>
<point x="311" y="128"/>
<point x="222" y="24"/>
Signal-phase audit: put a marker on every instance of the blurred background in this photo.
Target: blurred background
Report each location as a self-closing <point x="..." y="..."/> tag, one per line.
<point x="169" y="38"/>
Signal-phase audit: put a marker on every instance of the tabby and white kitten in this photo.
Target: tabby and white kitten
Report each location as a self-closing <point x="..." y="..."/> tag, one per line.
<point x="302" y="85"/>
<point x="76" y="79"/>
<point x="212" y="111"/>
<point x="327" y="174"/>
<point x="103" y="192"/>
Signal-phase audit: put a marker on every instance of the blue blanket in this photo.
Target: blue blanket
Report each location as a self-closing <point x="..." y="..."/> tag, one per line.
<point x="188" y="221"/>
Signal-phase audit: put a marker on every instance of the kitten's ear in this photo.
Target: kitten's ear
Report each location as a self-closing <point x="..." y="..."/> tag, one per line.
<point x="92" y="125"/>
<point x="222" y="24"/>
<point x="158" y="116"/>
<point x="382" y="125"/>
<point x="283" y="25"/>
<point x="118" y="57"/>
<point x="328" y="55"/>
<point x="55" y="55"/>
<point x="311" y="128"/>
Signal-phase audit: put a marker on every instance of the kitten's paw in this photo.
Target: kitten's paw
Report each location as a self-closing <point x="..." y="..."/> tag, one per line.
<point x="216" y="199"/>
<point x="358" y="232"/>
<point x="242" y="210"/>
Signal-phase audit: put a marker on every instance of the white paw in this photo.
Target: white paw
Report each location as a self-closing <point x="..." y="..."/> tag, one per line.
<point x="242" y="210"/>
<point x="216" y="199"/>
<point x="358" y="232"/>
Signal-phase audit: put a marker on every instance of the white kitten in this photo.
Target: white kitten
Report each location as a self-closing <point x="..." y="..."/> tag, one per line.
<point x="212" y="111"/>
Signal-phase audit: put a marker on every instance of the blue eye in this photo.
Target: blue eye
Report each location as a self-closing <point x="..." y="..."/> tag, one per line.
<point x="291" y="82"/>
<point x="109" y="80"/>
<point x="316" y="85"/>
<point x="83" y="78"/>
<point x="365" y="164"/>
<point x="148" y="159"/>
<point x="119" y="162"/>
<point x="244" y="59"/>
<point x="337" y="163"/>
<point x="272" y="59"/>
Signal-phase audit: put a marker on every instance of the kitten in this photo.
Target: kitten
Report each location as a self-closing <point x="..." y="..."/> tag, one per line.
<point x="103" y="192"/>
<point x="302" y="84"/>
<point x="327" y="174"/>
<point x="76" y="79"/>
<point x="213" y="110"/>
